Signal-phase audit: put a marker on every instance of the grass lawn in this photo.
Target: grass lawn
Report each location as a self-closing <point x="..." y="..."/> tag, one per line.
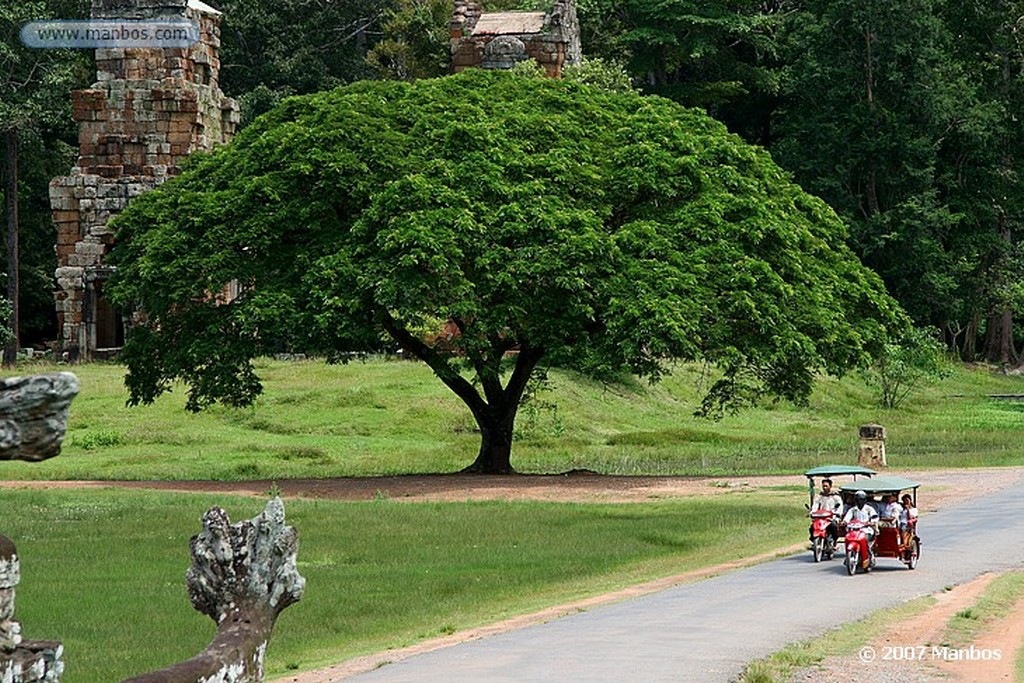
<point x="103" y="570"/>
<point x="391" y="417"/>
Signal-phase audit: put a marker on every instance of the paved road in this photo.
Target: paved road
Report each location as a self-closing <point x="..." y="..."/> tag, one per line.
<point x="708" y="631"/>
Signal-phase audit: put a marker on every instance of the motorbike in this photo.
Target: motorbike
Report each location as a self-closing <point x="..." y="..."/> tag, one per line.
<point x="822" y="542"/>
<point x="858" y="548"/>
<point x="890" y="541"/>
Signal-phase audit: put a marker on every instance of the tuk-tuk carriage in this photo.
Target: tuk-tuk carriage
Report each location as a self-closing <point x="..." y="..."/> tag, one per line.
<point x="897" y="535"/>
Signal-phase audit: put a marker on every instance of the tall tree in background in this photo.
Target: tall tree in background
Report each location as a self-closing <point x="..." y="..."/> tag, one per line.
<point x="719" y="55"/>
<point x="871" y="99"/>
<point x="415" y="41"/>
<point x="274" y="49"/>
<point x="35" y="90"/>
<point x="982" y="171"/>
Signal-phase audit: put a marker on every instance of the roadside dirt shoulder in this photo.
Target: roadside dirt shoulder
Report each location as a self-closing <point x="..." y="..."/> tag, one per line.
<point x="939" y="488"/>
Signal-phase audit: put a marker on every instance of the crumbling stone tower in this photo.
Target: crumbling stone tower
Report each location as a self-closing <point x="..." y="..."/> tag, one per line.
<point x="148" y="110"/>
<point x="498" y="40"/>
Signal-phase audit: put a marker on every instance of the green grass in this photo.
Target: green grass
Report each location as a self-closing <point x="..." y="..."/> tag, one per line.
<point x="103" y="570"/>
<point x="389" y="417"/>
<point x="98" y="564"/>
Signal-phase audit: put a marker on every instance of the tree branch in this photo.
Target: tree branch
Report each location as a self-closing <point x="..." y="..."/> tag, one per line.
<point x="438" y="363"/>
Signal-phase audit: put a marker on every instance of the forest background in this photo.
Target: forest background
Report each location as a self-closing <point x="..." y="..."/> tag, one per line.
<point x="903" y="115"/>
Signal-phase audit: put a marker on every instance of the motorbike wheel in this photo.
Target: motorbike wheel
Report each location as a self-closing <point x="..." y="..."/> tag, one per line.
<point x="852" y="560"/>
<point x="819" y="548"/>
<point x="915" y="552"/>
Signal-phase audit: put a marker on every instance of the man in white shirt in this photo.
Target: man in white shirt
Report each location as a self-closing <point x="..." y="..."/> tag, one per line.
<point x="890" y="510"/>
<point x="862" y="512"/>
<point x="829" y="501"/>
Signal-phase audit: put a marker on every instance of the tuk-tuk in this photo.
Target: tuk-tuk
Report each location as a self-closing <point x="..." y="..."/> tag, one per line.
<point x="891" y="540"/>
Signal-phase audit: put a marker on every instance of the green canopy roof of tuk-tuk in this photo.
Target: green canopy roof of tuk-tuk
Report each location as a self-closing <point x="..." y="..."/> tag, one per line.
<point x="838" y="470"/>
<point x="880" y="485"/>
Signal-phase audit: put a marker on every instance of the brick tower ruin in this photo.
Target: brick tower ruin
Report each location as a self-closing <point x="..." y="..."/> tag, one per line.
<point x="148" y="110"/>
<point x="499" y="40"/>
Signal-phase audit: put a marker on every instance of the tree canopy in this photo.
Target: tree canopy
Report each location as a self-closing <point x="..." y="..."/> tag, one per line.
<point x="492" y="225"/>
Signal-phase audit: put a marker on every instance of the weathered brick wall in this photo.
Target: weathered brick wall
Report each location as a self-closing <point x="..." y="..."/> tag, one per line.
<point x="553" y="41"/>
<point x="147" y="111"/>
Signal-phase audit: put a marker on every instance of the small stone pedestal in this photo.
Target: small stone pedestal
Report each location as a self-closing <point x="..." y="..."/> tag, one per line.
<point x="871" y="450"/>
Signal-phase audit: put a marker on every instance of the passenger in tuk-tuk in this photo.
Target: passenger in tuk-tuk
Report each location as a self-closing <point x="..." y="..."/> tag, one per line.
<point x="889" y="512"/>
<point x="829" y="501"/>
<point x="908" y="518"/>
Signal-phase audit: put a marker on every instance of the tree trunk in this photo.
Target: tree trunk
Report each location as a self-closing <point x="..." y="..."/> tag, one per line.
<point x="871" y="188"/>
<point x="495" y="410"/>
<point x="495" y="456"/>
<point x="11" y="206"/>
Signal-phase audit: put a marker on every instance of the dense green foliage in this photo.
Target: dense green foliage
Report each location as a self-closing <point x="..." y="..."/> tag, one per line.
<point x="604" y="232"/>
<point x="35" y="128"/>
<point x="288" y="47"/>
<point x="902" y="115"/>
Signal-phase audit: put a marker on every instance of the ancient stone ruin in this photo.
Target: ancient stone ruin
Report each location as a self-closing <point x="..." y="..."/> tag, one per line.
<point x="500" y="40"/>
<point x="34" y="415"/>
<point x="242" y="576"/>
<point x="871" y="447"/>
<point x="147" y="111"/>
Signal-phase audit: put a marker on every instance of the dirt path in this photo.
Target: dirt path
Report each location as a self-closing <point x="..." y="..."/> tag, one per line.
<point x="912" y="651"/>
<point x="939" y="487"/>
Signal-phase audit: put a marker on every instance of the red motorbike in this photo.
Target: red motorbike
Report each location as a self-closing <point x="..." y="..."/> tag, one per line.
<point x="822" y="542"/>
<point x="858" y="547"/>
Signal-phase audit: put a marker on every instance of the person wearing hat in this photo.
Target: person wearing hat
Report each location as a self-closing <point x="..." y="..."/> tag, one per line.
<point x="860" y="511"/>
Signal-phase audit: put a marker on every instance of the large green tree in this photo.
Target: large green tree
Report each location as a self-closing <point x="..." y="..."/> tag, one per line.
<point x="540" y="222"/>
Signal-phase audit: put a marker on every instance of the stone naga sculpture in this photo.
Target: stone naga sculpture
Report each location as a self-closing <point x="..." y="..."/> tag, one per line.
<point x="22" y="661"/>
<point x="33" y="420"/>
<point x="242" y="576"/>
<point x="34" y="415"/>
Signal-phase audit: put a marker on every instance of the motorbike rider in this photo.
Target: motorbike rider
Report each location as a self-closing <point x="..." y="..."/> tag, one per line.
<point x="829" y="501"/>
<point x="862" y="512"/>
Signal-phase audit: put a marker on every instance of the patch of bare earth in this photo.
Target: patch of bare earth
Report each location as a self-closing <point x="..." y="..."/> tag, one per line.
<point x="911" y="651"/>
<point x="939" y="489"/>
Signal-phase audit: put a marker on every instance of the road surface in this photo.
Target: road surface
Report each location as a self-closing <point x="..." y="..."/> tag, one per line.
<point x="709" y="630"/>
